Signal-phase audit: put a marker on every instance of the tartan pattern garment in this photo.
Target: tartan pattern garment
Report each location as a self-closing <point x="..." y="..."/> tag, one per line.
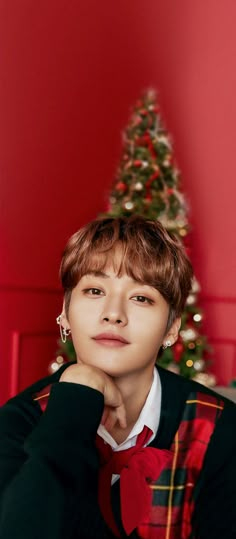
<point x="42" y="397"/>
<point x="133" y="465"/>
<point x="173" y="492"/>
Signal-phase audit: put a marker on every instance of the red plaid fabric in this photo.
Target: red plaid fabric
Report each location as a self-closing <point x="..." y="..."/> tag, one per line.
<point x="173" y="493"/>
<point x="133" y="465"/>
<point x="172" y="501"/>
<point x="42" y="397"/>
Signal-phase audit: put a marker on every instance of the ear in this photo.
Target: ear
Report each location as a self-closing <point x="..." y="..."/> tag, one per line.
<point x="64" y="320"/>
<point x="173" y="332"/>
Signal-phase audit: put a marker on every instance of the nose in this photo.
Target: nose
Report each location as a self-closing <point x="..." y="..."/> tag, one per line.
<point x="114" y="312"/>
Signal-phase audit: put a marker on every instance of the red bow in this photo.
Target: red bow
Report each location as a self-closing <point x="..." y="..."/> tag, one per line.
<point x="137" y="466"/>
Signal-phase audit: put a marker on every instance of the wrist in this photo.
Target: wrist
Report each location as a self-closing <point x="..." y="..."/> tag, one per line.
<point x="84" y="375"/>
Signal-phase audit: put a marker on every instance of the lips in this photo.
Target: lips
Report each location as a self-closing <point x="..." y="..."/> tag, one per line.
<point x="110" y="339"/>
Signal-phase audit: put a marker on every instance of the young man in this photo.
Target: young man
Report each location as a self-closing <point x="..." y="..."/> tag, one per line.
<point x="111" y="446"/>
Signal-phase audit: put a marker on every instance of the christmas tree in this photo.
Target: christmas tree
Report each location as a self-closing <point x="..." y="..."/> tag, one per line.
<point x="148" y="183"/>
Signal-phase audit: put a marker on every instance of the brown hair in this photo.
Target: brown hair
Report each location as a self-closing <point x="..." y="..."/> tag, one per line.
<point x="150" y="255"/>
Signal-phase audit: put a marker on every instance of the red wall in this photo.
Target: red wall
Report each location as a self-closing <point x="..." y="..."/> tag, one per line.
<point x="69" y="72"/>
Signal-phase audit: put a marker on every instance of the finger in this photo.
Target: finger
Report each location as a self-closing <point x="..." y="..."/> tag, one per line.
<point x="113" y="400"/>
<point x="112" y="395"/>
<point x="113" y="416"/>
<point x="111" y="419"/>
<point x="105" y="415"/>
<point x="121" y="416"/>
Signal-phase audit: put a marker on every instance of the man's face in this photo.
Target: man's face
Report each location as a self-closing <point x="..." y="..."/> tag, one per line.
<point x="117" y="324"/>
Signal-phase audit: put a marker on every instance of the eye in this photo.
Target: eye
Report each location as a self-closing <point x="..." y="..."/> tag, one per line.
<point x="93" y="291"/>
<point x="143" y="299"/>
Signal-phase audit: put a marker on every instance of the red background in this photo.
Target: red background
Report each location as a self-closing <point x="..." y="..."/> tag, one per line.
<point x="69" y="73"/>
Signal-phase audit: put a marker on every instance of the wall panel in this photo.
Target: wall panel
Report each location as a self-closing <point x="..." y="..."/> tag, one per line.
<point x="70" y="72"/>
<point x="29" y="336"/>
<point x="220" y="327"/>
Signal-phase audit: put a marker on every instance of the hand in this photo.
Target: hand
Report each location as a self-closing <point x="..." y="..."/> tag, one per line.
<point x="114" y="410"/>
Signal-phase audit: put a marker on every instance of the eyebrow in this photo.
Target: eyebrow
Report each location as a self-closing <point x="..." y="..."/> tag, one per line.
<point x="98" y="273"/>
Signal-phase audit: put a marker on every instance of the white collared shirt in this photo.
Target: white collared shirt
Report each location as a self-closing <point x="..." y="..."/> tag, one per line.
<point x="149" y="416"/>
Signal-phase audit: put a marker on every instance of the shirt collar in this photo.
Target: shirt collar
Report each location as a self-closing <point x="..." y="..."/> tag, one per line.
<point x="149" y="416"/>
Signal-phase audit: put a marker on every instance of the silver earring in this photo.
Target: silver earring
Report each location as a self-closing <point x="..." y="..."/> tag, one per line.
<point x="166" y="345"/>
<point x="63" y="331"/>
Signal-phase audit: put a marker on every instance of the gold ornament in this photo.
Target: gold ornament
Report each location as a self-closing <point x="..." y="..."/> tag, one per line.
<point x="189" y="363"/>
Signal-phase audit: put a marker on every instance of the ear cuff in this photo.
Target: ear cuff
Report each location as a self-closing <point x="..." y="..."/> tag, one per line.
<point x="64" y="333"/>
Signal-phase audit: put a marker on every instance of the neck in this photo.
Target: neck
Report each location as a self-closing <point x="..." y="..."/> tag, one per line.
<point x="134" y="391"/>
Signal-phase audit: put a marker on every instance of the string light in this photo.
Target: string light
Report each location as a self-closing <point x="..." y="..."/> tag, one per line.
<point x="189" y="363"/>
<point x="197" y="317"/>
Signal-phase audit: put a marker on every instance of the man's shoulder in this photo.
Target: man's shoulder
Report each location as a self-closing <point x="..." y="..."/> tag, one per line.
<point x="25" y="398"/>
<point x="42" y="383"/>
<point x="184" y="386"/>
<point x="23" y="411"/>
<point x="178" y="391"/>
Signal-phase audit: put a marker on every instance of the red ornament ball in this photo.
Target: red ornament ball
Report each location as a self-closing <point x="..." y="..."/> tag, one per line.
<point x="138" y="163"/>
<point x="148" y="199"/>
<point x="177" y="351"/>
<point x="121" y="187"/>
<point x="137" y="120"/>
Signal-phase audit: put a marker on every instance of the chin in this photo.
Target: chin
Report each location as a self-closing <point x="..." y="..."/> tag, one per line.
<point x="113" y="372"/>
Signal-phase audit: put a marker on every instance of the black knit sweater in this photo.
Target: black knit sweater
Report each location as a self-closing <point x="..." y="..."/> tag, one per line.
<point x="49" y="464"/>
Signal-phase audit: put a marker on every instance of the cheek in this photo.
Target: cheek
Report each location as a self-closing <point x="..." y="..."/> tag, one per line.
<point x="150" y="326"/>
<point x="79" y="325"/>
<point x="79" y="313"/>
<point x="83" y="325"/>
<point x="151" y="341"/>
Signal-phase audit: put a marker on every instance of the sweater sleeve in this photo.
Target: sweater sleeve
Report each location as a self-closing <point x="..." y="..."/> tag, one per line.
<point x="215" y="514"/>
<point x="49" y="466"/>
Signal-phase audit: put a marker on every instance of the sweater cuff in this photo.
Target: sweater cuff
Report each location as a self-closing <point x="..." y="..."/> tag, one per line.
<point x="67" y="429"/>
<point x="74" y="406"/>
